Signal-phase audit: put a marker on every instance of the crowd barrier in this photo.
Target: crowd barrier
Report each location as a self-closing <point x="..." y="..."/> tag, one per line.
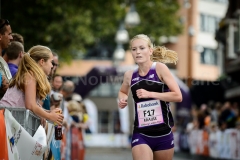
<point x="29" y="121"/>
<point x="25" y="137"/>
<point x="217" y="145"/>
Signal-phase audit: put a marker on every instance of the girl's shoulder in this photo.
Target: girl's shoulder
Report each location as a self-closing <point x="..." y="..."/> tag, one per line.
<point x="129" y="73"/>
<point x="27" y="79"/>
<point x="161" y="70"/>
<point x="161" y="67"/>
<point x="29" y="75"/>
<point x="128" y="76"/>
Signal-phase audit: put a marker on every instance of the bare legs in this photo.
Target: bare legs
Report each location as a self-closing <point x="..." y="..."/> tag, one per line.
<point x="144" y="152"/>
<point x="164" y="154"/>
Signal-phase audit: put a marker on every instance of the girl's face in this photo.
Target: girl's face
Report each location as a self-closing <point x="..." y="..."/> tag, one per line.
<point x="140" y="51"/>
<point x="47" y="65"/>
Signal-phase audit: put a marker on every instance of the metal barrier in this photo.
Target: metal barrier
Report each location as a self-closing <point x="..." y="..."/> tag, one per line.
<point x="25" y="118"/>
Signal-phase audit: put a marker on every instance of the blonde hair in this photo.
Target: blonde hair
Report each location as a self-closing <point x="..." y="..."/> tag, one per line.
<point x="29" y="65"/>
<point x="75" y="109"/>
<point x="160" y="53"/>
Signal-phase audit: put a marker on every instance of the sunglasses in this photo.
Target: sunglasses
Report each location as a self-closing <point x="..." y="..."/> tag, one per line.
<point x="55" y="64"/>
<point x="5" y="23"/>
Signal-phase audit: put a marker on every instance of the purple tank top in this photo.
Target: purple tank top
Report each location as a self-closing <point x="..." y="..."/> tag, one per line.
<point x="152" y="117"/>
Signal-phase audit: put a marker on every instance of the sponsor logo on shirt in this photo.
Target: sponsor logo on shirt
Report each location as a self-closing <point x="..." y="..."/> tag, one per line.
<point x="135" y="79"/>
<point x="151" y="76"/>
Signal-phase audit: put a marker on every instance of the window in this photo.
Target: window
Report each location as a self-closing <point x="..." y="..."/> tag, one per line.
<point x="209" y="56"/>
<point x="236" y="41"/>
<point x="208" y="23"/>
<point x="109" y="122"/>
<point x="220" y="1"/>
<point x="103" y="119"/>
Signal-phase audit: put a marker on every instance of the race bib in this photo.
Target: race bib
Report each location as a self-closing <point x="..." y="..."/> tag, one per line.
<point x="149" y="113"/>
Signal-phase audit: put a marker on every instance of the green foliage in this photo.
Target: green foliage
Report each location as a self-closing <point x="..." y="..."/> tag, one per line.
<point x="71" y="27"/>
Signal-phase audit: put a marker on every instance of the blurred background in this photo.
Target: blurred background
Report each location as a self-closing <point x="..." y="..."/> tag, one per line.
<point x="92" y="38"/>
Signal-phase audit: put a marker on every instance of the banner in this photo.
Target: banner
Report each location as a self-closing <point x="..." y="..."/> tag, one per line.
<point x="221" y="144"/>
<point x="21" y="145"/>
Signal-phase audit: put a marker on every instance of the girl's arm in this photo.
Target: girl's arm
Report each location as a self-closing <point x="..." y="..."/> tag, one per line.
<point x="30" y="102"/>
<point x="174" y="95"/>
<point x="124" y="90"/>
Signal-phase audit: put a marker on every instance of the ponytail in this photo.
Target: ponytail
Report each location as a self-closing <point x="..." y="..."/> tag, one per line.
<point x="164" y="55"/>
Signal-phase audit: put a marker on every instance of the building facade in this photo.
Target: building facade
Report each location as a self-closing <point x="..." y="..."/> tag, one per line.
<point x="197" y="47"/>
<point x="228" y="37"/>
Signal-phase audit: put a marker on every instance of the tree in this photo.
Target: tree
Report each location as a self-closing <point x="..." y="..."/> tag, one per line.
<point x="72" y="27"/>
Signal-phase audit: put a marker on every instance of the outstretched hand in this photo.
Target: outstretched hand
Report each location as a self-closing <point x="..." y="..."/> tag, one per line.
<point x="56" y="116"/>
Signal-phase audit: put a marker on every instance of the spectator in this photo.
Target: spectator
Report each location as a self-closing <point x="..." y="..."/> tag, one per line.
<point x="15" y="53"/>
<point x="57" y="83"/>
<point x="5" y="38"/>
<point x="77" y="147"/>
<point x="55" y="65"/>
<point x="67" y="90"/>
<point x="82" y="125"/>
<point x="18" y="37"/>
<point x="227" y="116"/>
<point x="5" y="34"/>
<point x="46" y="102"/>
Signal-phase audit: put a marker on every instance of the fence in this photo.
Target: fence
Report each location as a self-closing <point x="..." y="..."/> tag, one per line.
<point x="25" y="118"/>
<point x="218" y="145"/>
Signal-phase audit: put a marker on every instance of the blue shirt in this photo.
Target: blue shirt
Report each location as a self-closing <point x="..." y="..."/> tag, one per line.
<point x="46" y="103"/>
<point x="13" y="68"/>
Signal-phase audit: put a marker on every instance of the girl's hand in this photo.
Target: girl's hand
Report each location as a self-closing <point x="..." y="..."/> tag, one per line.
<point x="142" y="93"/>
<point x="56" y="116"/>
<point x="122" y="103"/>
